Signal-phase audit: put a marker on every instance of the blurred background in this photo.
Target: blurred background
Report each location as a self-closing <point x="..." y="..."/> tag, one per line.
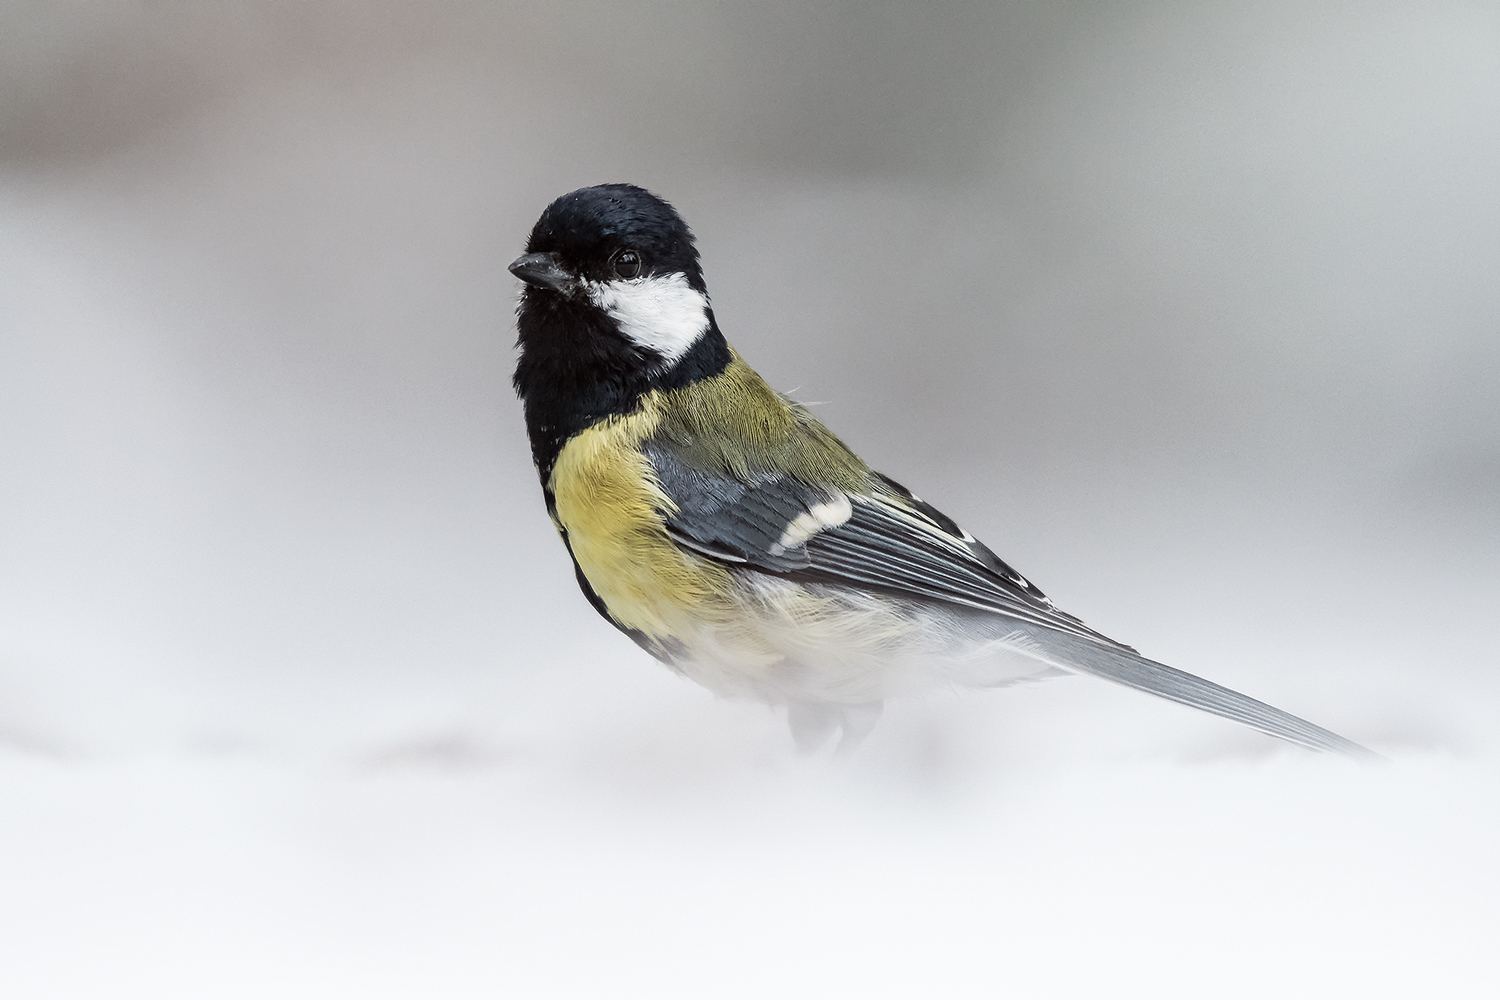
<point x="1190" y="311"/>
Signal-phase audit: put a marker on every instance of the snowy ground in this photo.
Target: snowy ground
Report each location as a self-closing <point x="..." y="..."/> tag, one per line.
<point x="1193" y="319"/>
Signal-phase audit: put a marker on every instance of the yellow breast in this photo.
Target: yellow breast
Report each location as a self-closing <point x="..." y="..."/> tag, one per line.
<point x="608" y="501"/>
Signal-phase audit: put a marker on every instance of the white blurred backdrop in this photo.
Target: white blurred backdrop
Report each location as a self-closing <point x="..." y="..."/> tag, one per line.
<point x="1191" y="311"/>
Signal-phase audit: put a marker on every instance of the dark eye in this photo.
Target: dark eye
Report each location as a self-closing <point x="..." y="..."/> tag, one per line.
<point x="628" y="264"/>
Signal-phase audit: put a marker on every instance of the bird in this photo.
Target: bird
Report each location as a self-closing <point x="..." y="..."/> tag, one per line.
<point x="722" y="527"/>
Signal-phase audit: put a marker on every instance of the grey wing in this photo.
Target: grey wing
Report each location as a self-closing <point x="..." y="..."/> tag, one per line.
<point x="884" y="539"/>
<point x="887" y="540"/>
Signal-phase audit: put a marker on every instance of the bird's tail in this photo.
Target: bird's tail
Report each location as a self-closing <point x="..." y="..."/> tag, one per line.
<point x="1080" y="655"/>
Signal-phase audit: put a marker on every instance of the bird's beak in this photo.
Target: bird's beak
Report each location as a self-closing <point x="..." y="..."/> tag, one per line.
<point x="545" y="271"/>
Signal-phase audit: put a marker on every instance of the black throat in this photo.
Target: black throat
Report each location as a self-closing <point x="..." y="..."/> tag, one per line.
<point x="576" y="369"/>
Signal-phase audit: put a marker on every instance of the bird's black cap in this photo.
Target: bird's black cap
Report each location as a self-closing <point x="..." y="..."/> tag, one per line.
<point x="582" y="232"/>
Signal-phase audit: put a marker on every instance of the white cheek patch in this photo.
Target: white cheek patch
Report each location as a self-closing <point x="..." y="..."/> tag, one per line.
<point x="662" y="312"/>
<point x="817" y="518"/>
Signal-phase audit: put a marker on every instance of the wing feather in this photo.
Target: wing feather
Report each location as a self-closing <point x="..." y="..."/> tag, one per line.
<point x="891" y="541"/>
<point x="895" y="543"/>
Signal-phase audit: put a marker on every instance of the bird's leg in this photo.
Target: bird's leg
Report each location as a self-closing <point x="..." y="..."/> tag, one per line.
<point x="812" y="724"/>
<point x="858" y="721"/>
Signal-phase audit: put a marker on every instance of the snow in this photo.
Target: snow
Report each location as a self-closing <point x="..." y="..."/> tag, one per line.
<point x="298" y="697"/>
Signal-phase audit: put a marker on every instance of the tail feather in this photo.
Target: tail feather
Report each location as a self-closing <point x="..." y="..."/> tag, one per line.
<point x="1134" y="671"/>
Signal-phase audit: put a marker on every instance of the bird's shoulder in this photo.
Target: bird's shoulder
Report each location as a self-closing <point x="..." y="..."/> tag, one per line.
<point x="735" y="425"/>
<point x="753" y="480"/>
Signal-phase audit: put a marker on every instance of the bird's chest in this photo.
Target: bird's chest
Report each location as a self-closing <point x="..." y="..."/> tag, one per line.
<point x="610" y="507"/>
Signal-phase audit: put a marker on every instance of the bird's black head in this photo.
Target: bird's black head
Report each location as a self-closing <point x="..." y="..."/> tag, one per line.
<point x="614" y="306"/>
<point x="608" y="233"/>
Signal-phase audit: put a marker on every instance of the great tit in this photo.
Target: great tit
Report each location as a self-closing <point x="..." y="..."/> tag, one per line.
<point x="722" y="527"/>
